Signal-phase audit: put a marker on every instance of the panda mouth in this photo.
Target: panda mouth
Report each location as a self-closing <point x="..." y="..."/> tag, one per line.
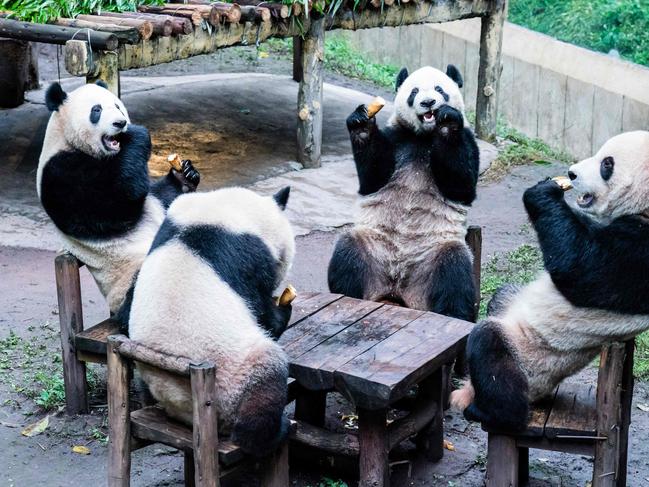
<point x="427" y="117"/>
<point x="585" y="200"/>
<point x="111" y="144"/>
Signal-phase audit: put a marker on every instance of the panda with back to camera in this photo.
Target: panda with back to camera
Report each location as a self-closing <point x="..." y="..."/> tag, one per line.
<point x="418" y="178"/>
<point x="205" y="291"/>
<point x="594" y="290"/>
<point x="93" y="182"/>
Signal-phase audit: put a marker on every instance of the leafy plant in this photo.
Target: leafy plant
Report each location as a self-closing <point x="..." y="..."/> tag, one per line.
<point x="52" y="394"/>
<point x="45" y="11"/>
<point x="601" y="25"/>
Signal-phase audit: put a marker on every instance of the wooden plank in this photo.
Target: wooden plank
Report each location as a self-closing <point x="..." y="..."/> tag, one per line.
<point x="307" y="304"/>
<point x="502" y="461"/>
<point x="94" y="339"/>
<point x="573" y="412"/>
<point x="119" y="438"/>
<point x="205" y="439"/>
<point x="152" y="424"/>
<point x="329" y="321"/>
<point x="326" y="440"/>
<point x="317" y="367"/>
<point x="386" y="372"/>
<point x="627" y="397"/>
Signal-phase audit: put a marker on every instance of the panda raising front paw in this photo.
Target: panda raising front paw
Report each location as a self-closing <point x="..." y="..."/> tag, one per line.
<point x="93" y="182"/>
<point x="418" y="177"/>
<point x="594" y="289"/>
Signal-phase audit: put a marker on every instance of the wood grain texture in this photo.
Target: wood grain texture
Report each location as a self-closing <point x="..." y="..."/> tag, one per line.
<point x="205" y="439"/>
<point x="374" y="448"/>
<point x="307" y="304"/>
<point x="326" y="440"/>
<point x="573" y="412"/>
<point x="119" y="424"/>
<point x="502" y="461"/>
<point x="427" y="419"/>
<point x="68" y="287"/>
<point x="95" y="339"/>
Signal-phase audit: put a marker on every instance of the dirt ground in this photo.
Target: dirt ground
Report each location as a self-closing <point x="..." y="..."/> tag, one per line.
<point x="29" y="341"/>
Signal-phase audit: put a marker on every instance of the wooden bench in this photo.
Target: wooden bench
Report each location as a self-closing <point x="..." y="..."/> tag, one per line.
<point x="208" y="458"/>
<point x="580" y="418"/>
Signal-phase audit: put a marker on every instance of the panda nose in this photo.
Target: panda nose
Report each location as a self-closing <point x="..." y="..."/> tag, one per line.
<point x="120" y="124"/>
<point x="572" y="175"/>
<point x="427" y="103"/>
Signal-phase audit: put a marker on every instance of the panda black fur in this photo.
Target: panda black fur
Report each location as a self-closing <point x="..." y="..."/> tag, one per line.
<point x="594" y="290"/>
<point x="417" y="177"/>
<point x="205" y="291"/>
<point x="93" y="182"/>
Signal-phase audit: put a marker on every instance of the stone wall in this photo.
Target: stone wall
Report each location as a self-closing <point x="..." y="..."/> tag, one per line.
<point x="570" y="97"/>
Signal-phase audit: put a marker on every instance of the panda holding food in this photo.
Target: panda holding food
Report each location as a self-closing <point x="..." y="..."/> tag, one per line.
<point x="94" y="184"/>
<point x="417" y="178"/>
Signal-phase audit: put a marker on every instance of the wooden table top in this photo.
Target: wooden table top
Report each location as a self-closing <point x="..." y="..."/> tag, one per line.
<point x="371" y="352"/>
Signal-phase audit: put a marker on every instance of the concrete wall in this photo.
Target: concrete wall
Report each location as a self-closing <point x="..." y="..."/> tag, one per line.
<point x="572" y="98"/>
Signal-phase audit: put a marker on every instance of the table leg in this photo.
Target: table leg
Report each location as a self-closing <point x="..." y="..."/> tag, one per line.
<point x="374" y="448"/>
<point x="430" y="439"/>
<point x="310" y="406"/>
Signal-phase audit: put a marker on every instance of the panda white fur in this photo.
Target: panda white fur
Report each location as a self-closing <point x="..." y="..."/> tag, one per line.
<point x="93" y="183"/>
<point x="594" y="290"/>
<point x="205" y="291"/>
<point x="417" y="177"/>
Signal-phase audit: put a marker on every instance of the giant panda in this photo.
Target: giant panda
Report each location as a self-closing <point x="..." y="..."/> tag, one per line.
<point x="417" y="178"/>
<point x="594" y="289"/>
<point x="93" y="182"/>
<point x="205" y="291"/>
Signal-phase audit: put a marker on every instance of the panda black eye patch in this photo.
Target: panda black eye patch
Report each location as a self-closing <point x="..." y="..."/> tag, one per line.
<point x="606" y="168"/>
<point x="95" y="113"/>
<point x="411" y="98"/>
<point x="441" y="91"/>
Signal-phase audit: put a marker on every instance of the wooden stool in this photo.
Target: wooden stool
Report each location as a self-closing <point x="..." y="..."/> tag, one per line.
<point x="207" y="458"/>
<point x="581" y="419"/>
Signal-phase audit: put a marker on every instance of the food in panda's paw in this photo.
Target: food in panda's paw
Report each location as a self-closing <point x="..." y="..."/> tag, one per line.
<point x="563" y="182"/>
<point x="288" y="296"/>
<point x="375" y="107"/>
<point x="175" y="162"/>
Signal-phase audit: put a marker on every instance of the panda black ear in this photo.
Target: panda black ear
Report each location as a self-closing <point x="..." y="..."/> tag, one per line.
<point x="401" y="77"/>
<point x="101" y="83"/>
<point x="281" y="197"/>
<point x="454" y="73"/>
<point x="54" y="97"/>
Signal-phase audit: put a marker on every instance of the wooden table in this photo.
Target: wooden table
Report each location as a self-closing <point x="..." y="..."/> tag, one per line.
<point x="374" y="354"/>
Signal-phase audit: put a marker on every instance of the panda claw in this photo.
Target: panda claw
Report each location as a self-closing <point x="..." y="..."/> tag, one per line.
<point x="359" y="120"/>
<point x="448" y="120"/>
<point x="190" y="173"/>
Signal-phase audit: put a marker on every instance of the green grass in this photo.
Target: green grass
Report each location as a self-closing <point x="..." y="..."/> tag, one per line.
<point x="342" y="58"/>
<point x="520" y="266"/>
<point x="601" y="25"/>
<point x="44" y="11"/>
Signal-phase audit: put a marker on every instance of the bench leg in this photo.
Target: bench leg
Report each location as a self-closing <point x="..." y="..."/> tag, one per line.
<point x="310" y="406"/>
<point x="119" y="418"/>
<point x="205" y="439"/>
<point x="430" y="440"/>
<point x="188" y="470"/>
<point x="275" y="472"/>
<point x="627" y="396"/>
<point x="502" y="461"/>
<point x="374" y="448"/>
<point x="68" y="288"/>
<point x="491" y="38"/>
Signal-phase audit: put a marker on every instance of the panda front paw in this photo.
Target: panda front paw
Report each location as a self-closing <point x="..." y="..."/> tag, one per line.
<point x="448" y="120"/>
<point x="360" y="124"/>
<point x="188" y="177"/>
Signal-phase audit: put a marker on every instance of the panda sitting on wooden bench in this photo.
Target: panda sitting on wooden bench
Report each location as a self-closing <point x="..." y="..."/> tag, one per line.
<point x="418" y="178"/>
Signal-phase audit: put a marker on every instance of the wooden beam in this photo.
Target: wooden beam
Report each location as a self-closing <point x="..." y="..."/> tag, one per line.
<point x="491" y="39"/>
<point x="309" y="96"/>
<point x="374" y="448"/>
<point x="144" y="27"/>
<point x="502" y="461"/>
<point x="205" y="419"/>
<point x="119" y="417"/>
<point x="179" y="25"/>
<point x="325" y="440"/>
<point x="123" y="33"/>
<point x="141" y="353"/>
<point x="68" y="286"/>
<point x="161" y="25"/>
<point x="107" y="70"/>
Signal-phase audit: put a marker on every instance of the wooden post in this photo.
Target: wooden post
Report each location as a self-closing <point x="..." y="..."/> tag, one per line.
<point x="107" y="70"/>
<point x="474" y="241"/>
<point x="609" y="415"/>
<point x="627" y="396"/>
<point x="275" y="471"/>
<point x="309" y="96"/>
<point x="297" y="58"/>
<point x="205" y="436"/>
<point x="502" y="461"/>
<point x="119" y="418"/>
<point x="491" y="39"/>
<point x="310" y="406"/>
<point x="68" y="288"/>
<point x="374" y="448"/>
<point x="430" y="439"/>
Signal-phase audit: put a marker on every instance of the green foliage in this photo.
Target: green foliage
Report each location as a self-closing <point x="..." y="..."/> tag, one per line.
<point x="52" y="393"/>
<point x="601" y="25"/>
<point x="342" y="58"/>
<point x="327" y="482"/>
<point x="641" y="358"/>
<point x="45" y="11"/>
<point x="520" y="266"/>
